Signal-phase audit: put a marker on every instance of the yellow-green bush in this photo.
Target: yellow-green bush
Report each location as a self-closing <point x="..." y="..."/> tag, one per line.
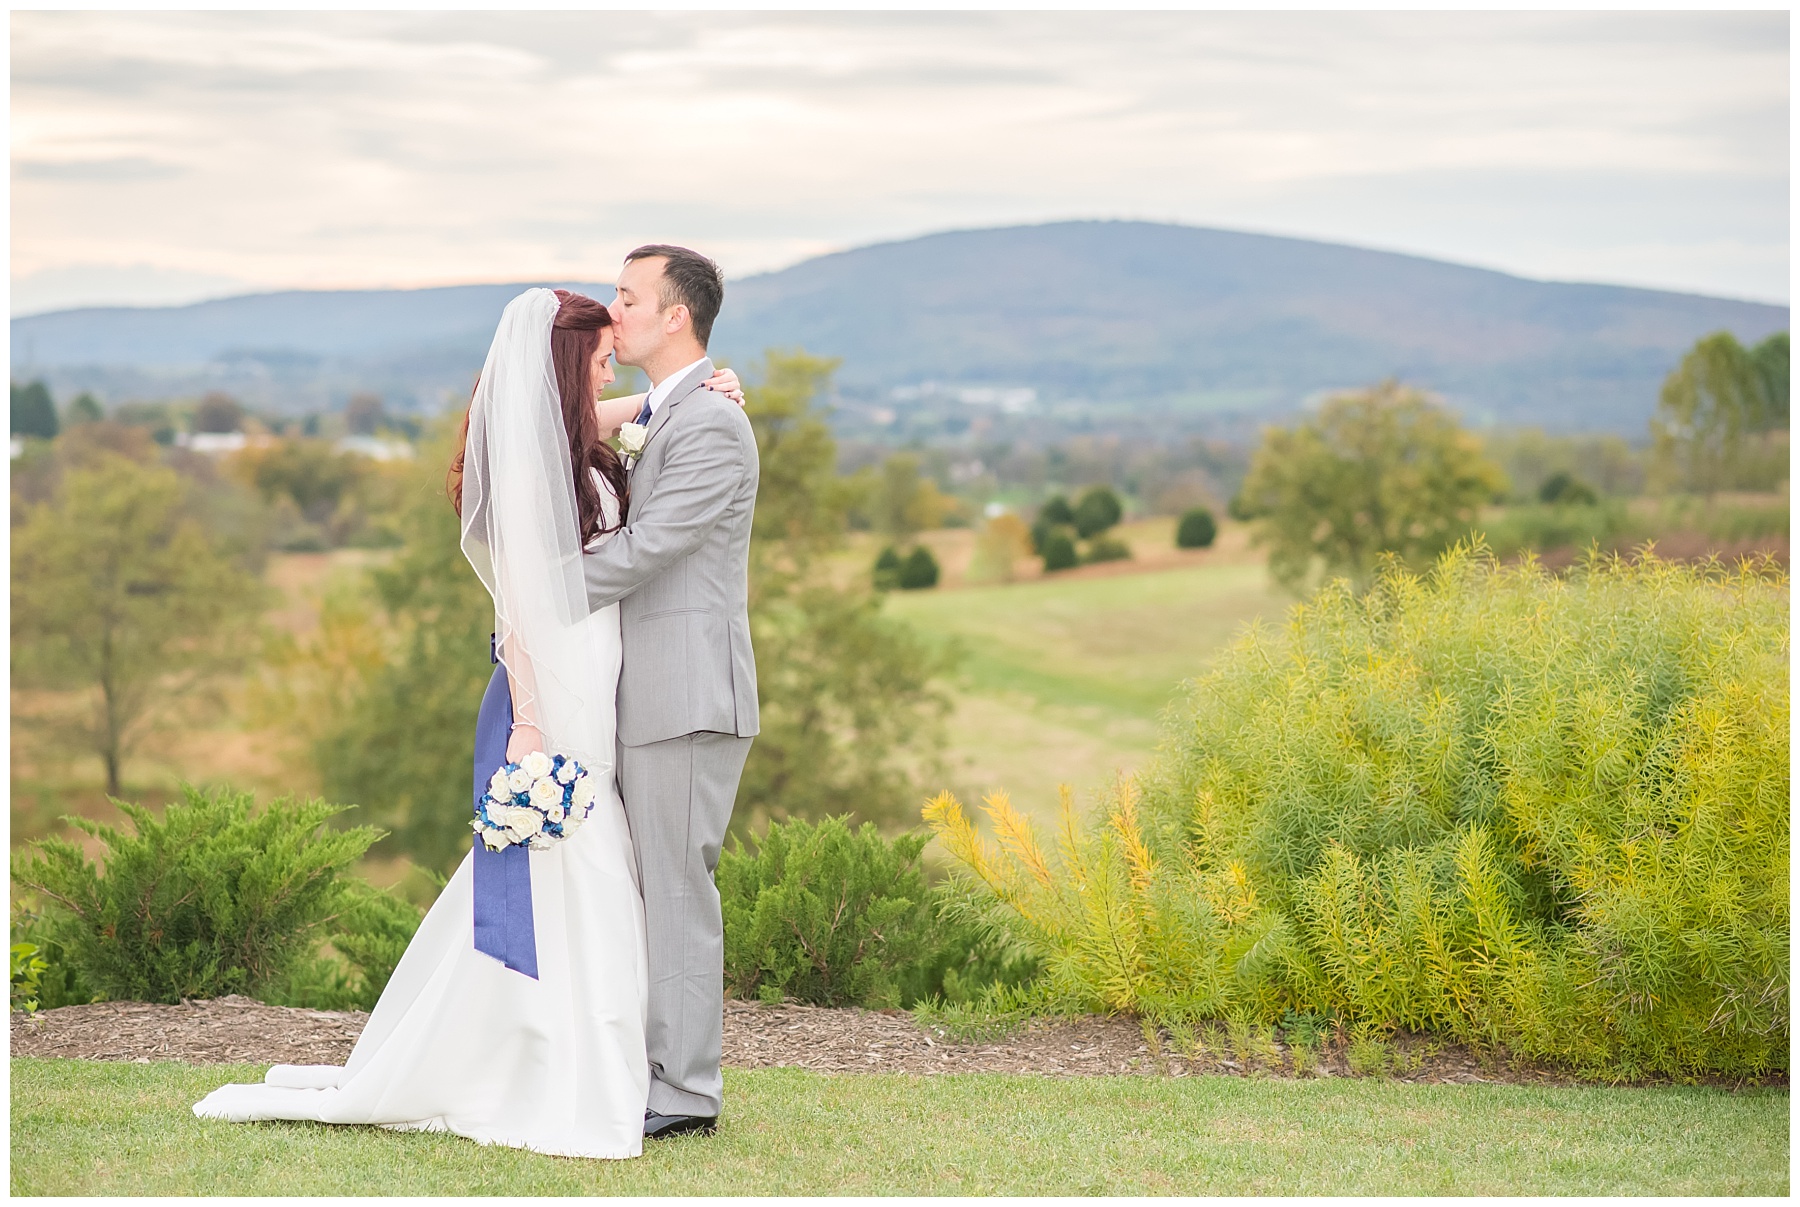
<point x="1545" y="814"/>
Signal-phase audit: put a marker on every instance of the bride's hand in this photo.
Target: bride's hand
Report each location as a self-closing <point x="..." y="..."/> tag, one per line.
<point x="725" y="382"/>
<point x="524" y="740"/>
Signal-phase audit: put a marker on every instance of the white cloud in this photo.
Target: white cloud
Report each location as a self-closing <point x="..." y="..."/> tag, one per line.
<point x="346" y="149"/>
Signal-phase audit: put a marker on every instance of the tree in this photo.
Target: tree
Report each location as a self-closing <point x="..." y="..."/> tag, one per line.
<point x="919" y="570"/>
<point x="1384" y="470"/>
<point x="33" y="411"/>
<point x="1564" y="489"/>
<point x="1098" y="510"/>
<point x="851" y="710"/>
<point x="903" y="503"/>
<point x="1196" y="529"/>
<point x="1713" y="407"/>
<point x="317" y="477"/>
<point x="117" y="590"/>
<point x="1771" y="359"/>
<point x="1059" y="550"/>
<point x="218" y="412"/>
<point x="887" y="569"/>
<point x="1055" y="513"/>
<point x="391" y="684"/>
<point x="85" y="409"/>
<point x="1002" y="543"/>
<point x="364" y="415"/>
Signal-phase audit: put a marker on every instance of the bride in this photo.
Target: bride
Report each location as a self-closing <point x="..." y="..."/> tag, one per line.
<point x="517" y="1014"/>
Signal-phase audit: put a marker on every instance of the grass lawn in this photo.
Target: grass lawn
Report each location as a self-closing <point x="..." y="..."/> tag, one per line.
<point x="86" y="1128"/>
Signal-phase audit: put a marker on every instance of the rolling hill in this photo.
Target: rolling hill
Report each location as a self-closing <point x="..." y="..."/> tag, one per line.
<point x="1084" y="316"/>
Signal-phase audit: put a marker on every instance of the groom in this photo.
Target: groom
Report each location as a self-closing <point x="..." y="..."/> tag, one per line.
<point x="687" y="689"/>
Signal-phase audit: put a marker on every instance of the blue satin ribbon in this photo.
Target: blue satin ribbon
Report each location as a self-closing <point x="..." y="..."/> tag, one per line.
<point x="503" y="921"/>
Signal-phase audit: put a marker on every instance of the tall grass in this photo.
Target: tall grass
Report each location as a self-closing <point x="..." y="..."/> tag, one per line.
<point x="1537" y="813"/>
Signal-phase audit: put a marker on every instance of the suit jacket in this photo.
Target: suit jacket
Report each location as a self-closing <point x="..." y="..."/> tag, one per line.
<point x="679" y="571"/>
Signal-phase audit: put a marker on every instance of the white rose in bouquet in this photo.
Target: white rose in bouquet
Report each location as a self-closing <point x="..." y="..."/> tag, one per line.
<point x="586" y="793"/>
<point x="493" y="840"/>
<point x="566" y="773"/>
<point x="537" y="763"/>
<point x="498" y="787"/>
<point x="546" y="793"/>
<point x="519" y="821"/>
<point x="572" y="822"/>
<point x="519" y="781"/>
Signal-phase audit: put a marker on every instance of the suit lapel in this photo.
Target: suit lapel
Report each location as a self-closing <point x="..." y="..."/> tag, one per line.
<point x="690" y="381"/>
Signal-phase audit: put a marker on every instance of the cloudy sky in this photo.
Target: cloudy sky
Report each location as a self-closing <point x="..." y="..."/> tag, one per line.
<point x="168" y="157"/>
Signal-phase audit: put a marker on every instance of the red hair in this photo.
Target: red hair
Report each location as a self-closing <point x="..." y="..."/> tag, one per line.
<point x="574" y="337"/>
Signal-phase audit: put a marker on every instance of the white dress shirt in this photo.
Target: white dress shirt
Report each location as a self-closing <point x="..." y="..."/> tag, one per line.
<point x="660" y="393"/>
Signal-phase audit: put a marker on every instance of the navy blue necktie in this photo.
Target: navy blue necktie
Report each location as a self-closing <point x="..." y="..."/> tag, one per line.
<point x="644" y="415"/>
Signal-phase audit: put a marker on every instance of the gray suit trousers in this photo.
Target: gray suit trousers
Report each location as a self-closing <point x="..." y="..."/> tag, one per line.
<point x="678" y="796"/>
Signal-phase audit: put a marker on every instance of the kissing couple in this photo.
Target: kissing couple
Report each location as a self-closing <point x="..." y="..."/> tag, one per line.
<point x="565" y="994"/>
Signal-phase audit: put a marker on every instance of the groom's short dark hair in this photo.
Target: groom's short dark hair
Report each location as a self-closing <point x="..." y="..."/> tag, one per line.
<point x="689" y="279"/>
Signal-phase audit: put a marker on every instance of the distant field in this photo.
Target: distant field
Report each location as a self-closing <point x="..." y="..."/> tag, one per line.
<point x="1064" y="678"/>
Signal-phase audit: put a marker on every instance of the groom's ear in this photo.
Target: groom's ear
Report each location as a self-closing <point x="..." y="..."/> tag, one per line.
<point x="679" y="320"/>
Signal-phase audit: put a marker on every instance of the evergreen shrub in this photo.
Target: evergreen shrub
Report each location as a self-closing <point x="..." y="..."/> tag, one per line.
<point x="1055" y="513"/>
<point x="1105" y="548"/>
<point x="1098" y="510"/>
<point x="834" y="916"/>
<point x="1540" y="814"/>
<point x="215" y="898"/>
<point x="1059" y="550"/>
<point x="919" y="570"/>
<point x="1196" y="529"/>
<point x="887" y="569"/>
<point x="1564" y="489"/>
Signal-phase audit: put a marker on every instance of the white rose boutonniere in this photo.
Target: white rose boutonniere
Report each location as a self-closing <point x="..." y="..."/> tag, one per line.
<point x="631" y="438"/>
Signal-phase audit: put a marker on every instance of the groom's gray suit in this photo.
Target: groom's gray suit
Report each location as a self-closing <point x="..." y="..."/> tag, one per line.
<point x="687" y="710"/>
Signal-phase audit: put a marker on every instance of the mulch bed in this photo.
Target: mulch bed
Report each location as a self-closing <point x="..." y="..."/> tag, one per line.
<point x="237" y="1030"/>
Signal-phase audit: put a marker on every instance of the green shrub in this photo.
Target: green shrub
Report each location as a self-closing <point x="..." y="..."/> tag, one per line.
<point x="887" y="569"/>
<point x="209" y="899"/>
<point x="28" y="968"/>
<point x="1541" y="527"/>
<point x="1196" y="529"/>
<point x="834" y="916"/>
<point x="1098" y="510"/>
<point x="1563" y="488"/>
<point x="823" y="914"/>
<point x="1059" y="551"/>
<point x="367" y="939"/>
<point x="919" y="570"/>
<point x="1542" y="814"/>
<point x="1107" y="549"/>
<point x="58" y="983"/>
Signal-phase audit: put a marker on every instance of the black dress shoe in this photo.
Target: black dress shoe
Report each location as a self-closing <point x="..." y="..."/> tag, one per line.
<point x="658" y="1127"/>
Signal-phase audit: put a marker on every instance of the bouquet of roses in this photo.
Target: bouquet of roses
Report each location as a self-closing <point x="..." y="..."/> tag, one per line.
<point x="536" y="802"/>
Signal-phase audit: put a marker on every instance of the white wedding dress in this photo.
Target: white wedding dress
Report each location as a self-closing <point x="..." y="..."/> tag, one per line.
<point x="459" y="1042"/>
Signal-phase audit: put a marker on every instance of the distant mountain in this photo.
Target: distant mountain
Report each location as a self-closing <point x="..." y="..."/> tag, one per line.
<point x="293" y="351"/>
<point x="1071" y="318"/>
